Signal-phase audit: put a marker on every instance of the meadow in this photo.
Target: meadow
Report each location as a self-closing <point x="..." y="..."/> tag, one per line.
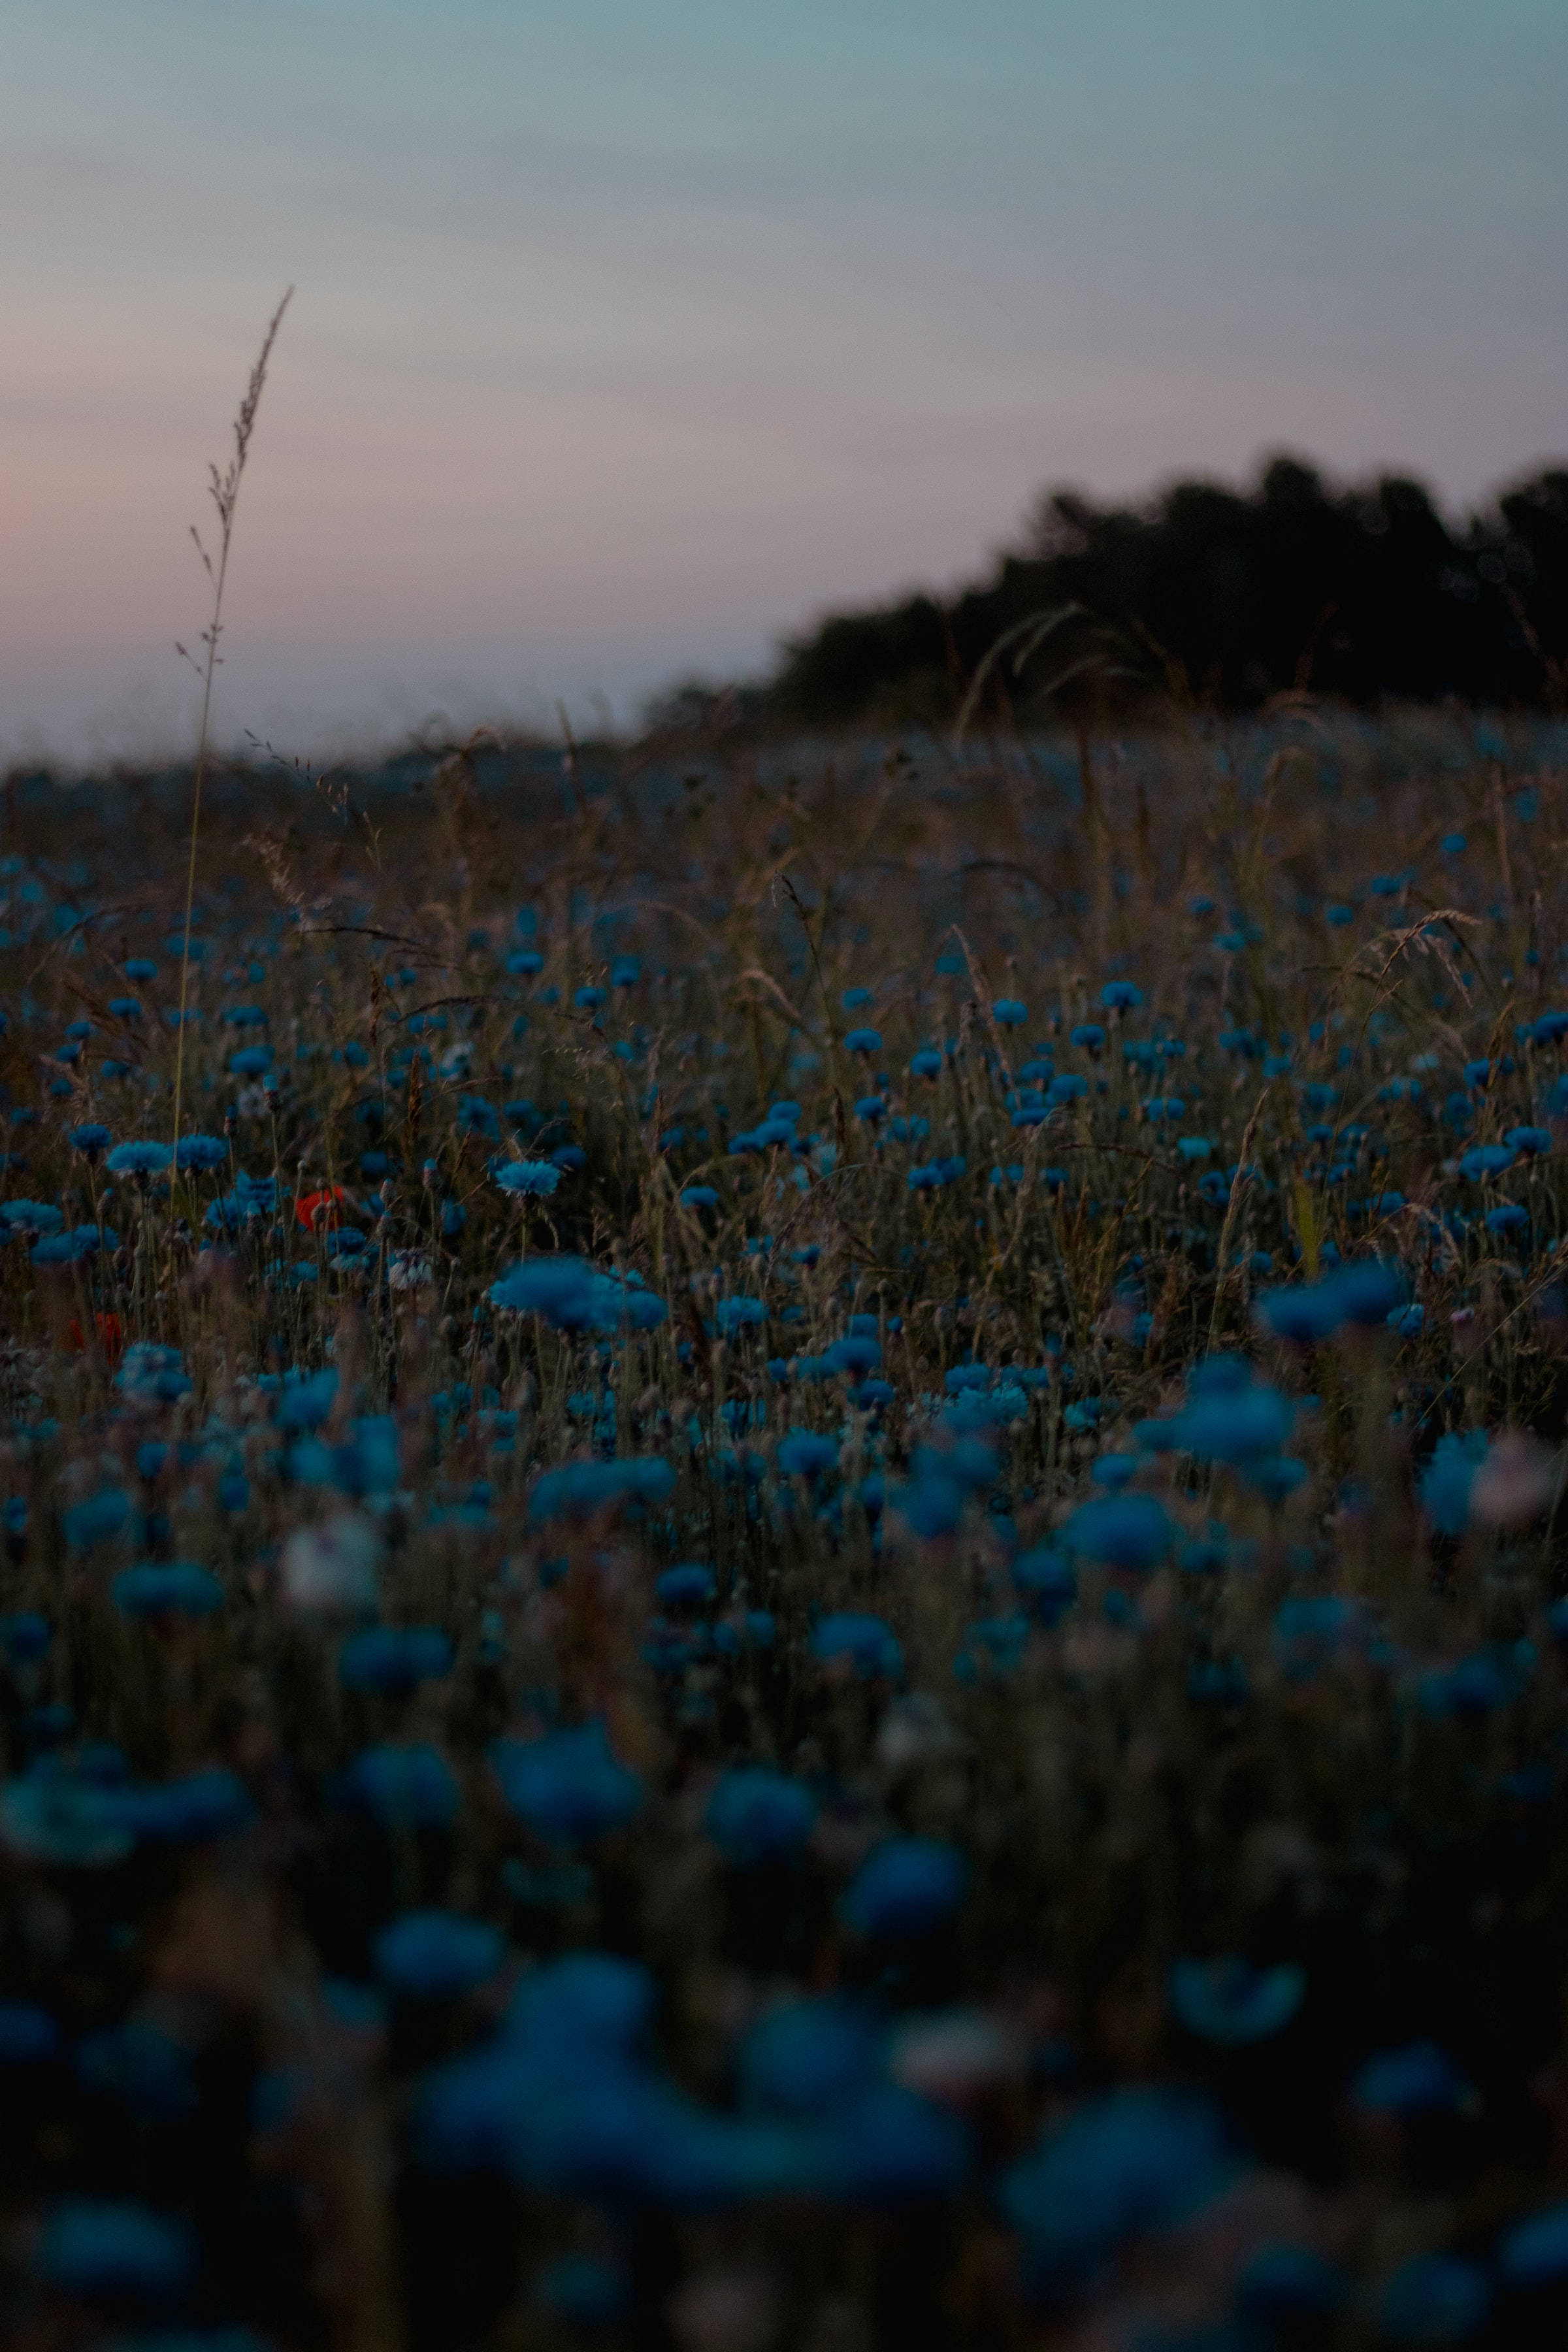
<point x="782" y="1545"/>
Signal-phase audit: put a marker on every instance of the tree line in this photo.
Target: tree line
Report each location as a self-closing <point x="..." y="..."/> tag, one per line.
<point x="1213" y="597"/>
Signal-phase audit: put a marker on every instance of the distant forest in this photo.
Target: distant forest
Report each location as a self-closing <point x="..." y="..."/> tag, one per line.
<point x="1213" y="597"/>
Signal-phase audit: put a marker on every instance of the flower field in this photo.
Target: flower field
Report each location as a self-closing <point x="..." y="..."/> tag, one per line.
<point x="783" y="1536"/>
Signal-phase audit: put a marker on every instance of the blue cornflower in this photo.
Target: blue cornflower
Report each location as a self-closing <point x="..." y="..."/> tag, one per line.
<point x="1129" y="2161"/>
<point x="926" y="1063"/>
<point x="1434" y="2299"/>
<point x="433" y="1955"/>
<point x="91" y="2246"/>
<point x="905" y="1886"/>
<point x="1126" y="1531"/>
<point x="732" y="1315"/>
<point x="1231" y="2003"/>
<point x="866" y="1642"/>
<point x="863" y="1041"/>
<point x="91" y="1141"/>
<point x="181" y="1589"/>
<point x="1445" y="1485"/>
<point x="1120" y="996"/>
<point x="1534" y="2252"/>
<point x="580" y="1490"/>
<point x="29" y="2034"/>
<point x="1487" y="1159"/>
<point x="405" y="1788"/>
<point x="395" y="1658"/>
<point x="528" y="1179"/>
<point x="567" y="1785"/>
<point x="688" y="1586"/>
<point x="1362" y="1293"/>
<point x="201" y="1152"/>
<point x="1009" y="1014"/>
<point x="756" y="1814"/>
<point x="805" y="1455"/>
<point x="1419" y="2079"/>
<point x="140" y="1158"/>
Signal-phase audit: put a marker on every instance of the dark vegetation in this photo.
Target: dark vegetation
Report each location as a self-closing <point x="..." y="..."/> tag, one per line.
<point x="1219" y="598"/>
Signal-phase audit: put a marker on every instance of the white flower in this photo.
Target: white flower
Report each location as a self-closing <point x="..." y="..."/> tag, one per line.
<point x="331" y="1569"/>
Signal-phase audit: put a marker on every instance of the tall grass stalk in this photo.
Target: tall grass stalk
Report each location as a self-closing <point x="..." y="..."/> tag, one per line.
<point x="224" y="490"/>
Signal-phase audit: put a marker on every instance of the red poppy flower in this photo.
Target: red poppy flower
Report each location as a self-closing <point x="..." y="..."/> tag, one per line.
<point x="316" y="1210"/>
<point x="110" y="1335"/>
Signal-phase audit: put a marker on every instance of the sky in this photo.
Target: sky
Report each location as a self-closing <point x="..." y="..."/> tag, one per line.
<point x="628" y="338"/>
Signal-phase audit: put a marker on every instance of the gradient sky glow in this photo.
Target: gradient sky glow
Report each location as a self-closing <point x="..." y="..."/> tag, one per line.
<point x="627" y="337"/>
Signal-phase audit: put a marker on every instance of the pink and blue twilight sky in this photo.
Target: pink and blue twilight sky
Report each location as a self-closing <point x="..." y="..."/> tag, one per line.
<point x="629" y="337"/>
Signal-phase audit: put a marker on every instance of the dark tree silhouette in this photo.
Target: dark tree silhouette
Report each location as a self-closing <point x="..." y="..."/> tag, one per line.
<point x="1222" y="598"/>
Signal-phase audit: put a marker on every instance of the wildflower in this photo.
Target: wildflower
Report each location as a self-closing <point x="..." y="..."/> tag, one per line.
<point x="91" y="1141"/>
<point x="530" y="1179"/>
<point x="184" y="1588"/>
<point x="140" y="1158"/>
<point x="1534" y="2252"/>
<point x="588" y="999"/>
<point x="580" y="1490"/>
<point x="1009" y="1014"/>
<point x="567" y="1785"/>
<point x="1487" y="1159"/>
<point x="1433" y="2299"/>
<point x="805" y="1455"/>
<point x="690" y="1586"/>
<point x="24" y="1634"/>
<point x="1508" y="1217"/>
<point x="905" y="1886"/>
<point x="1120" y="996"/>
<point x="29" y="2034"/>
<point x="866" y="1642"/>
<point x="435" y="1955"/>
<point x="1361" y="1293"/>
<point x="732" y="1315"/>
<point x="193" y="1807"/>
<point x="395" y="1658"/>
<point x="53" y="1816"/>
<point x="91" y="2246"/>
<point x="926" y="1063"/>
<point x="1529" y="1140"/>
<point x="698" y="1196"/>
<point x="1417" y="2079"/>
<point x="756" y="1815"/>
<point x="865" y="1041"/>
<point x="322" y="1209"/>
<point x="1230" y="2003"/>
<point x="201" y="1153"/>
<point x="96" y="1519"/>
<point x="404" y="1788"/>
<point x="331" y="1569"/>
<point x="870" y="1108"/>
<point x="1125" y="1531"/>
<point x="1130" y="2161"/>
